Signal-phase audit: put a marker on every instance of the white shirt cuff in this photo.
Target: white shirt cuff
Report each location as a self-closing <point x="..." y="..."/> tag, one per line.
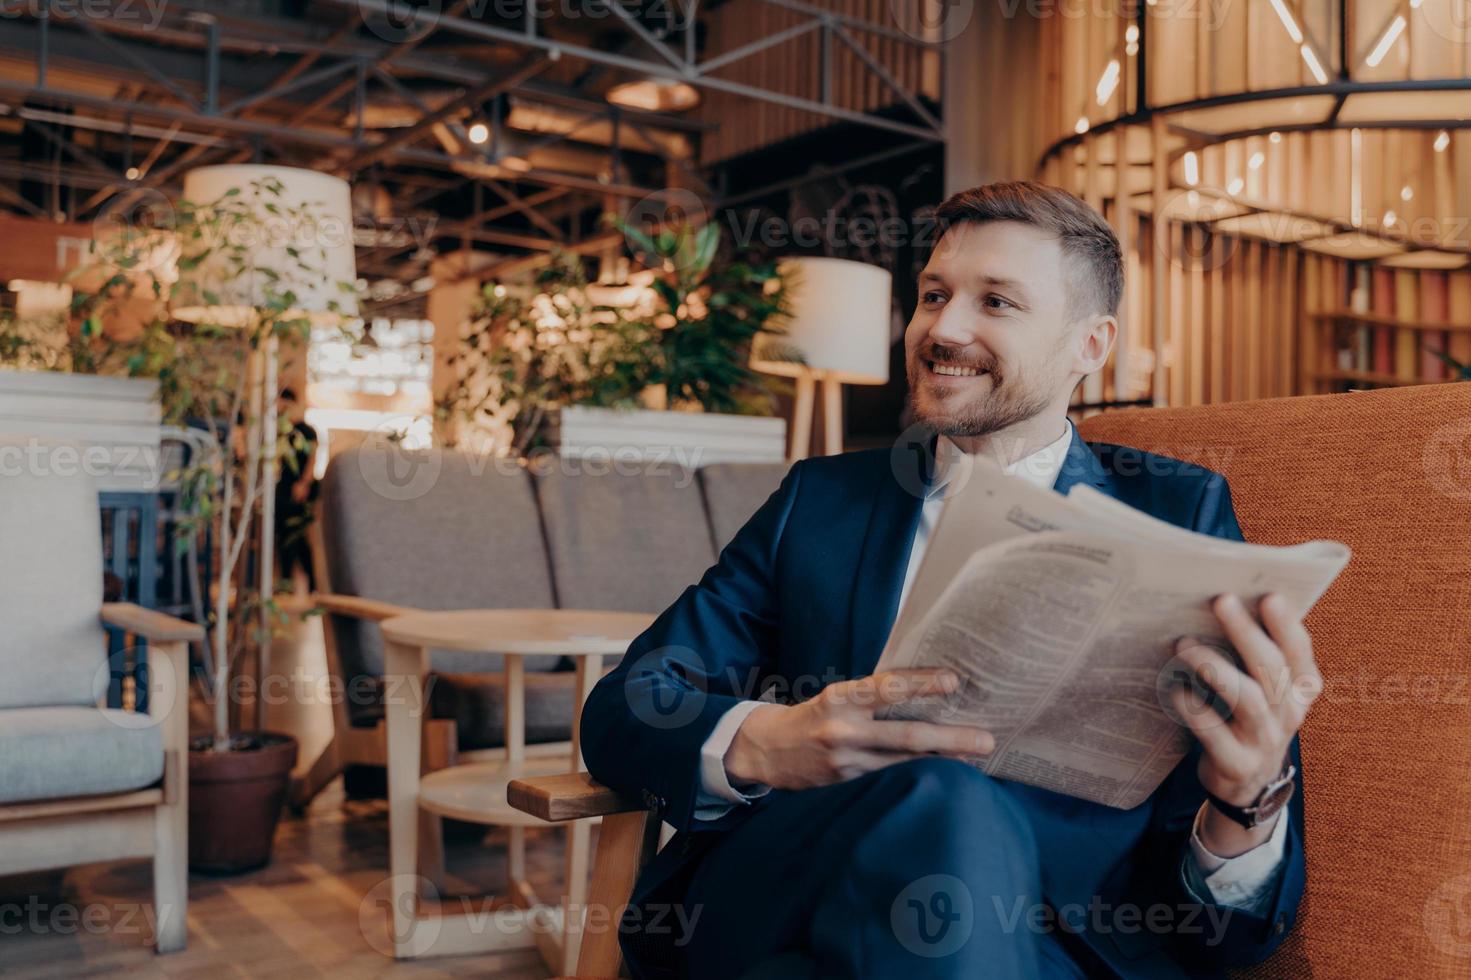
<point x="1247" y="881"/>
<point x="717" y="796"/>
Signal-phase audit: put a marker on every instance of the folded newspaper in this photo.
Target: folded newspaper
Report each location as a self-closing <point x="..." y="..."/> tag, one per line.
<point x="1060" y="615"/>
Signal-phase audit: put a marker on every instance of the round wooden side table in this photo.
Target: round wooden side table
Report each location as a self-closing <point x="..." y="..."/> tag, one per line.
<point x="476" y="791"/>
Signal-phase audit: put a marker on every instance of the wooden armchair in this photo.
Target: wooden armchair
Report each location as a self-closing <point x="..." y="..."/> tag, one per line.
<point x="627" y="840"/>
<point x="80" y="782"/>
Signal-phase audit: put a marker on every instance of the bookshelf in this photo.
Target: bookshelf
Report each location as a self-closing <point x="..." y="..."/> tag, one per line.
<point x="1384" y="350"/>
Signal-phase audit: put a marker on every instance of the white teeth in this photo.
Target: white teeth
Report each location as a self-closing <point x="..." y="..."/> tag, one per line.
<point x="954" y="370"/>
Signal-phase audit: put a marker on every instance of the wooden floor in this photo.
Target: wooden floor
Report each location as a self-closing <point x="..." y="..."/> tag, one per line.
<point x="313" y="912"/>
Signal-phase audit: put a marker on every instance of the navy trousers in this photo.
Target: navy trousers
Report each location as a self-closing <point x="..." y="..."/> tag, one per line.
<point x="926" y="868"/>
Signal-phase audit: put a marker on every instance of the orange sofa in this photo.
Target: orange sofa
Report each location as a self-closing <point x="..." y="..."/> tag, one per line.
<point x="1387" y="748"/>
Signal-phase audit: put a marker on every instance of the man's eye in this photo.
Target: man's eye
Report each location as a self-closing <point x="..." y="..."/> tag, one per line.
<point x="998" y="303"/>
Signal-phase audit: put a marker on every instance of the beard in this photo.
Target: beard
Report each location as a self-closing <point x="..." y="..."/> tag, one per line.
<point x="1008" y="399"/>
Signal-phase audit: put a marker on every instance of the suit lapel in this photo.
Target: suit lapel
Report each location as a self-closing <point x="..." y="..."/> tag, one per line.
<point x="1082" y="466"/>
<point x="884" y="554"/>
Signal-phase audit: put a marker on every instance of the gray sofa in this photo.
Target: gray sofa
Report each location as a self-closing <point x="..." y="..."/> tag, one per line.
<point x="447" y="530"/>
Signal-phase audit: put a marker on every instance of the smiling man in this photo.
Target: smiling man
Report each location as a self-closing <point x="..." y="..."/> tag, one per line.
<point x="816" y="840"/>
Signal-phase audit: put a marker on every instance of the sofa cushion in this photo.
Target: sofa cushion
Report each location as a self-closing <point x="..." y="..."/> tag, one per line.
<point x="51" y="753"/>
<point x="1387" y="747"/>
<point x="477" y="704"/>
<point x="627" y="538"/>
<point x="433" y="530"/>
<point x="52" y="648"/>
<point x="735" y="491"/>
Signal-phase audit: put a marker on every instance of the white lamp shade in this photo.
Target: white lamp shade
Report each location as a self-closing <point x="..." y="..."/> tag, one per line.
<point x="839" y="322"/>
<point x="323" y="242"/>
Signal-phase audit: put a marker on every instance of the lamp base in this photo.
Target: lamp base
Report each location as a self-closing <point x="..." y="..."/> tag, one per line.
<point x="804" y="408"/>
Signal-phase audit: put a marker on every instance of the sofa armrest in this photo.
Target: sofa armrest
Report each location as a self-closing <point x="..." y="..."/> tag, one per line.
<point x="568" y="796"/>
<point x="358" y="607"/>
<point x="149" y="624"/>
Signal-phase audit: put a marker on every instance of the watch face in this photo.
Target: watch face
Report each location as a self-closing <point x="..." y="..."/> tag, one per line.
<point x="1274" y="799"/>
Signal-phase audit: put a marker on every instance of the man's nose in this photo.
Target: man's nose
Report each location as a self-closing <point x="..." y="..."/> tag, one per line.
<point x="954" y="327"/>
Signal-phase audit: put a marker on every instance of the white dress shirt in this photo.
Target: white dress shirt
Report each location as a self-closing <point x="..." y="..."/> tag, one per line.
<point x="1246" y="882"/>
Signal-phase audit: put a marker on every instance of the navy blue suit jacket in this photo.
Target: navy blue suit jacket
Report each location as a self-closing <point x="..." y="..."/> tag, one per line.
<point x="805" y="595"/>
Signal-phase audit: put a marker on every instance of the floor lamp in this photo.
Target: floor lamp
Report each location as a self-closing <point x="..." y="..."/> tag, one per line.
<point x="837" y="333"/>
<point x="219" y="293"/>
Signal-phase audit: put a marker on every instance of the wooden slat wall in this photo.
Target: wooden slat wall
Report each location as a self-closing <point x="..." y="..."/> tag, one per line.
<point x="794" y="68"/>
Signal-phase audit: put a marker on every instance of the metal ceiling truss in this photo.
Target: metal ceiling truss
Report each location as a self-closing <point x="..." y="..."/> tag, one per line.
<point x="686" y="67"/>
<point x="198" y="93"/>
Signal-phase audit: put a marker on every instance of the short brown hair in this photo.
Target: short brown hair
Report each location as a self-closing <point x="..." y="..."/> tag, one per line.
<point x="1086" y="239"/>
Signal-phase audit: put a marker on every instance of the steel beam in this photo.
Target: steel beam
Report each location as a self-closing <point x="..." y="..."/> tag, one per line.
<point x="690" y="73"/>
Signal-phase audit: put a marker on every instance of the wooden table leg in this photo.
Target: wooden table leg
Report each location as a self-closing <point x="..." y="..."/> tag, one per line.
<point x="579" y="832"/>
<point x="516" y="758"/>
<point x="404" y="668"/>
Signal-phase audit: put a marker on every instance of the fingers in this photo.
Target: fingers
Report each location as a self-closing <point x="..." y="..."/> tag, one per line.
<point x="1260" y="656"/>
<point x="1238" y="692"/>
<point x="1207" y="726"/>
<point x="1279" y="657"/>
<point x="852" y="763"/>
<point x="1297" y="649"/>
<point x="895" y="687"/>
<point x="921" y="737"/>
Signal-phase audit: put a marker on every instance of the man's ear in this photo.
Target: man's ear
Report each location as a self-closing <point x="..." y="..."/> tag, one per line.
<point x="1095" y="340"/>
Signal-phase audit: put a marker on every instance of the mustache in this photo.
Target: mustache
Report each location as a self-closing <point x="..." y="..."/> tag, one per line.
<point x="949" y="355"/>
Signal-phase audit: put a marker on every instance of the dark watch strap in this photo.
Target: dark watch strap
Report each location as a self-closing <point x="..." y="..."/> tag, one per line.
<point x="1251" y="815"/>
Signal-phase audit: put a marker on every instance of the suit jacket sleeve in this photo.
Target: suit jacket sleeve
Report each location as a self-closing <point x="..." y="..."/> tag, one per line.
<point x="645" y="722"/>
<point x="1244" y="938"/>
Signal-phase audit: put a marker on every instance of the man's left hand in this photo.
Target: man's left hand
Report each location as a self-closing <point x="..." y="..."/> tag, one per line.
<point x="1267" y="701"/>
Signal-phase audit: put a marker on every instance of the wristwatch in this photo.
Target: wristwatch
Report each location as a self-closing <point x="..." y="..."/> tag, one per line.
<point x="1268" y="804"/>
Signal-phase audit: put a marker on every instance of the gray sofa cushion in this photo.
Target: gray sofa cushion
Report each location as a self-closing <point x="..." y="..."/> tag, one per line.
<point x="52" y="753"/>
<point x="52" y="650"/>
<point x="463" y="533"/>
<point x="735" y="491"/>
<point x="629" y="540"/>
<point x="477" y="704"/>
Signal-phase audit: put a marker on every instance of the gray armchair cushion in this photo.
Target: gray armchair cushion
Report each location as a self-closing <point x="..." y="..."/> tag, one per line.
<point x="461" y="532"/>
<point x="52" y="650"/>
<point x="625" y="540"/>
<point x="735" y="491"/>
<point x="52" y="753"/>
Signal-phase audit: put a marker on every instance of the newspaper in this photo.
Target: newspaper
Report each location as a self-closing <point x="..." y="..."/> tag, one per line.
<point x="1060" y="616"/>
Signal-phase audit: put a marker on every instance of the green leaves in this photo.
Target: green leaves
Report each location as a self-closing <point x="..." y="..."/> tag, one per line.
<point x="522" y="357"/>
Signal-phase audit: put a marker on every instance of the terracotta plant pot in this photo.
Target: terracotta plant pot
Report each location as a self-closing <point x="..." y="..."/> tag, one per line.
<point x="235" y="800"/>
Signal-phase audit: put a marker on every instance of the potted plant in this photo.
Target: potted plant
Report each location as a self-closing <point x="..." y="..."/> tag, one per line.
<point x="246" y="259"/>
<point x="558" y="362"/>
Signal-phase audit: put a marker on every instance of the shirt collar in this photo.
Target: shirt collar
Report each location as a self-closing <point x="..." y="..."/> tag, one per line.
<point x="1040" y="468"/>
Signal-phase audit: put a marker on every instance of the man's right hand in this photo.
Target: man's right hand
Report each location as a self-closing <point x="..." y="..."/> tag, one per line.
<point x="835" y="736"/>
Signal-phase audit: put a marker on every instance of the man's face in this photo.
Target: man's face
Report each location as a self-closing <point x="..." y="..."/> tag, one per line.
<point x="992" y="342"/>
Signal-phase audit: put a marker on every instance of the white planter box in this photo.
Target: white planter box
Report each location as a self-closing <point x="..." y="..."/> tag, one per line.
<point x="691" y="439"/>
<point x="116" y="420"/>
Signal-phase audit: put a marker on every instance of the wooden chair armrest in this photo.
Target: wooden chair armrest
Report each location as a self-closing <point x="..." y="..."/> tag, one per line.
<point x="568" y="796"/>
<point x="149" y="624"/>
<point x="358" y="607"/>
